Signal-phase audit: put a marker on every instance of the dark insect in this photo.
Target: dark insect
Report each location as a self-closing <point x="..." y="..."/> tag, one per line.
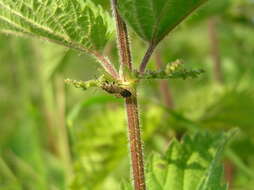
<point x="116" y="90"/>
<point x="125" y="93"/>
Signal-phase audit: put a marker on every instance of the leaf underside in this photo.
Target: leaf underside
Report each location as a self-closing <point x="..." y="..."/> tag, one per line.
<point x="73" y="23"/>
<point x="154" y="19"/>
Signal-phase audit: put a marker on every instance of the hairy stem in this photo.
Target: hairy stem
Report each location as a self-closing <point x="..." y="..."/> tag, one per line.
<point x="131" y="104"/>
<point x="146" y="58"/>
<point x="123" y="41"/>
<point x="135" y="143"/>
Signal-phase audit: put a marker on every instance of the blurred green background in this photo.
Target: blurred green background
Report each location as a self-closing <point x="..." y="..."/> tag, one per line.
<point x="54" y="137"/>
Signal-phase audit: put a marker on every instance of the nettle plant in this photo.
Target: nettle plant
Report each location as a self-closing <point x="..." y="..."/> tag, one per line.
<point x="84" y="26"/>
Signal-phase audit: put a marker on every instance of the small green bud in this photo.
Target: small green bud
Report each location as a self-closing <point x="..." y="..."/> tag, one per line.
<point x="172" y="67"/>
<point x="82" y="84"/>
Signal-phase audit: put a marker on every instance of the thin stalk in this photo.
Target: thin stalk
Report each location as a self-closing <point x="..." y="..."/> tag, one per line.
<point x="105" y="63"/>
<point x="131" y="104"/>
<point x="48" y="104"/>
<point x="164" y="88"/>
<point x="218" y="76"/>
<point x="229" y="173"/>
<point x="146" y="58"/>
<point x="166" y="92"/>
<point x="63" y="138"/>
<point x="215" y="50"/>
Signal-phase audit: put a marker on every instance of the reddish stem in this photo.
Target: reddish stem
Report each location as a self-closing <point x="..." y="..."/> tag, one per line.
<point x="229" y="173"/>
<point x="123" y="40"/>
<point x="131" y="105"/>
<point x="135" y="143"/>
<point x="105" y="63"/>
<point x="146" y="58"/>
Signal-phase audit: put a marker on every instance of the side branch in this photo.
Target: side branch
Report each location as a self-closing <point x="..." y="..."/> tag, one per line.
<point x="172" y="70"/>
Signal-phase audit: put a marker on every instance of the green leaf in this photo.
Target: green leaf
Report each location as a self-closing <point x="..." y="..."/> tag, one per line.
<point x="154" y="19"/>
<point x="73" y="23"/>
<point x="190" y="165"/>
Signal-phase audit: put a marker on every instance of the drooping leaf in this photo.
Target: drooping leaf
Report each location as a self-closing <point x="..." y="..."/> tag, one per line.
<point x="154" y="19"/>
<point x="73" y="23"/>
<point x="190" y="165"/>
